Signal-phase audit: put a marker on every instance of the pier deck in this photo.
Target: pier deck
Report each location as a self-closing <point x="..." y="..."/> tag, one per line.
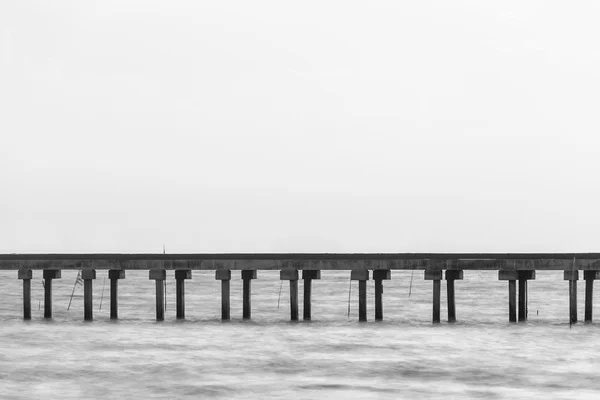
<point x="309" y="261"/>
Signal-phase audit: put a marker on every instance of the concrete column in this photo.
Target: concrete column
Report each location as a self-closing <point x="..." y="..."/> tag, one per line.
<point x="379" y="275"/>
<point x="224" y="275"/>
<point x="435" y="276"/>
<point x="88" y="275"/>
<point x="247" y="276"/>
<point x="26" y="274"/>
<point x="180" y="276"/>
<point x="308" y="276"/>
<point x="159" y="275"/>
<point x="524" y="276"/>
<point x="451" y="276"/>
<point x="289" y="274"/>
<point x="589" y="277"/>
<point x="49" y="275"/>
<point x="114" y="275"/>
<point x="362" y="276"/>
<point x="511" y="277"/>
<point x="572" y="276"/>
<point x="512" y="300"/>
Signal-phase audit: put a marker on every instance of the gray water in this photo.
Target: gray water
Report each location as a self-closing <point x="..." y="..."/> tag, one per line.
<point x="404" y="356"/>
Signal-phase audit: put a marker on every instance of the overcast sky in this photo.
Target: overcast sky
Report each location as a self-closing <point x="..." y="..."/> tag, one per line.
<point x="313" y="126"/>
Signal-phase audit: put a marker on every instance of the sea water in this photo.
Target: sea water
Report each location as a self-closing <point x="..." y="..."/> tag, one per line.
<point x="481" y="356"/>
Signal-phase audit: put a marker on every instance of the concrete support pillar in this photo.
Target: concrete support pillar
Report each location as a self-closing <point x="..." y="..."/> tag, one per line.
<point x="289" y="274"/>
<point x="524" y="276"/>
<point x="362" y="276"/>
<point x="247" y="276"/>
<point x="159" y="275"/>
<point x="114" y="275"/>
<point x="26" y="274"/>
<point x="308" y="276"/>
<point x="512" y="300"/>
<point x="88" y="275"/>
<point x="511" y="277"/>
<point x="180" y="276"/>
<point x="572" y="276"/>
<point x="224" y="275"/>
<point x="436" y="277"/>
<point x="379" y="275"/>
<point x="451" y="276"/>
<point x="49" y="275"/>
<point x="589" y="277"/>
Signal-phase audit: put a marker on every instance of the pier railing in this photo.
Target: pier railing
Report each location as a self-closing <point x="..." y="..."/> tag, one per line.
<point x="436" y="266"/>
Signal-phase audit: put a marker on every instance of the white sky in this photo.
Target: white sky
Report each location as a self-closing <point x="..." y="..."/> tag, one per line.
<point x="313" y="126"/>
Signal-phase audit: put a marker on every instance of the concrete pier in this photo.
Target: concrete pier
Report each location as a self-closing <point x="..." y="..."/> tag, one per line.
<point x="88" y="276"/>
<point x="159" y="275"/>
<point x="291" y="275"/>
<point x="436" y="277"/>
<point x="49" y="275"/>
<point x="308" y="276"/>
<point x="26" y="275"/>
<point x="572" y="276"/>
<point x="362" y="276"/>
<point x="515" y="267"/>
<point x="247" y="276"/>
<point x="379" y="275"/>
<point x="180" y="276"/>
<point x="114" y="275"/>
<point x="589" y="277"/>
<point x="224" y="275"/>
<point x="452" y="276"/>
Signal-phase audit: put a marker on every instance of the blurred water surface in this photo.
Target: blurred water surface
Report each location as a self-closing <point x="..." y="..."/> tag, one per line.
<point x="404" y="356"/>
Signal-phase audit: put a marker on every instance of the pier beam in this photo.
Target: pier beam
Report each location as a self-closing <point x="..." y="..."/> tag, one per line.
<point x="435" y="276"/>
<point x="88" y="275"/>
<point x="247" y="276"/>
<point x="26" y="274"/>
<point x="589" y="277"/>
<point x="114" y="275"/>
<point x="224" y="275"/>
<point x="362" y="276"/>
<point x="511" y="277"/>
<point x="289" y="274"/>
<point x="180" y="276"/>
<point x="451" y="276"/>
<point x="572" y="276"/>
<point x="49" y="275"/>
<point x="379" y="275"/>
<point x="308" y="276"/>
<point x="159" y="275"/>
<point x="524" y="276"/>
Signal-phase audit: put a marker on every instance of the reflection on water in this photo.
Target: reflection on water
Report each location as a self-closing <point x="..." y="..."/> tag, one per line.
<point x="405" y="356"/>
